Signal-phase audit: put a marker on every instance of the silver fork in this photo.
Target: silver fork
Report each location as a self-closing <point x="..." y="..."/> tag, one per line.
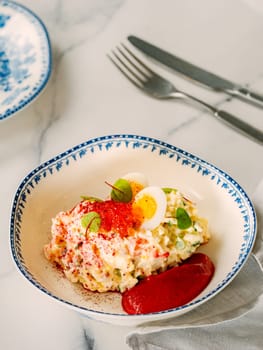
<point x="156" y="86"/>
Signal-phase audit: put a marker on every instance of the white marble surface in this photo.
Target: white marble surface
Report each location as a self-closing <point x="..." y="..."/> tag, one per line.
<point x="87" y="97"/>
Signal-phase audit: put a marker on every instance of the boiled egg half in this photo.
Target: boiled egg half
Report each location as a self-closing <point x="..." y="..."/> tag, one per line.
<point x="150" y="206"/>
<point x="137" y="181"/>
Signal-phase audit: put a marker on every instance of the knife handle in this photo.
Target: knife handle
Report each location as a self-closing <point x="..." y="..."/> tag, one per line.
<point x="240" y="125"/>
<point x="250" y="96"/>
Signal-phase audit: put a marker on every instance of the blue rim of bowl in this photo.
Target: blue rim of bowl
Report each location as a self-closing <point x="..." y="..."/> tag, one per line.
<point x="165" y="149"/>
<point x="38" y="88"/>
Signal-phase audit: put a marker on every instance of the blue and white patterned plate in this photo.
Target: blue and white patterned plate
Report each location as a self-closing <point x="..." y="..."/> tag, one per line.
<point x="58" y="184"/>
<point x="25" y="57"/>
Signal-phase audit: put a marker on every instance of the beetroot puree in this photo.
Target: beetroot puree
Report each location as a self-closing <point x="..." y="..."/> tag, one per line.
<point x="172" y="288"/>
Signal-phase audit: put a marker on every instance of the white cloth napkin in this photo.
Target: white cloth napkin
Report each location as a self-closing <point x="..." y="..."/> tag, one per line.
<point x="209" y="326"/>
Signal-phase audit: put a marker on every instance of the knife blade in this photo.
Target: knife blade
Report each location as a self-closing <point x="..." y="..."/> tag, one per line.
<point x="197" y="74"/>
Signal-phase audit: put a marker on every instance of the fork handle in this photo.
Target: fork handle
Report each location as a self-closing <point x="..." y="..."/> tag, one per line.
<point x="230" y="119"/>
<point x="240" y="125"/>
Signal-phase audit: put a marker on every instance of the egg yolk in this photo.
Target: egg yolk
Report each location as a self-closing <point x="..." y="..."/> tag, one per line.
<point x="136" y="187"/>
<point x="147" y="205"/>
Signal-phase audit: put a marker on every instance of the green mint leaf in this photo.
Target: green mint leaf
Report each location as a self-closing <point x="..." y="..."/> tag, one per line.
<point x="91" y="221"/>
<point x="121" y="191"/>
<point x="91" y="199"/>
<point x="183" y="219"/>
<point x="168" y="190"/>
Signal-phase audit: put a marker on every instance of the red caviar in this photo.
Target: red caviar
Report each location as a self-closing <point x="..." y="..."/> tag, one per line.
<point x="115" y="216"/>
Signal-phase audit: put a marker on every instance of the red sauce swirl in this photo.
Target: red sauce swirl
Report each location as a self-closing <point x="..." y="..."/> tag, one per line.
<point x="172" y="288"/>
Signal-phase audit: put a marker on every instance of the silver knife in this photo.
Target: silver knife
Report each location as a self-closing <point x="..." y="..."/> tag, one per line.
<point x="196" y="73"/>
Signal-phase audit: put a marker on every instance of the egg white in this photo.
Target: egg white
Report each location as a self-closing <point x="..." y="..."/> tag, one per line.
<point x="158" y="196"/>
<point x="137" y="180"/>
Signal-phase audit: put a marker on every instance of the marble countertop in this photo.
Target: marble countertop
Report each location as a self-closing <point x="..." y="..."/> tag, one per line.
<point x="86" y="97"/>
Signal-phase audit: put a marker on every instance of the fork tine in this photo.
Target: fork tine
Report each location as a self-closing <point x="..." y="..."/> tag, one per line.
<point x="145" y="74"/>
<point x="147" y="69"/>
<point x="128" y="72"/>
<point x="128" y="65"/>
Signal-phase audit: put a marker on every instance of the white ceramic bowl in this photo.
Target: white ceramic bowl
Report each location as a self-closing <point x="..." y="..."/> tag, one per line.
<point x="57" y="185"/>
<point x="25" y="57"/>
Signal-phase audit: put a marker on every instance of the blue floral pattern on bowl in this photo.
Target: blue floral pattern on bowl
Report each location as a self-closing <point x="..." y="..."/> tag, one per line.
<point x="132" y="152"/>
<point x="25" y="57"/>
